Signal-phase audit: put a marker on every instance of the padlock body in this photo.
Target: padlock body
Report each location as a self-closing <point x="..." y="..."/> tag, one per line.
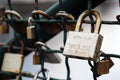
<point x="4" y="29"/>
<point x="103" y="67"/>
<point x="36" y="59"/>
<point x="83" y="45"/>
<point x="12" y="62"/>
<point x="30" y="32"/>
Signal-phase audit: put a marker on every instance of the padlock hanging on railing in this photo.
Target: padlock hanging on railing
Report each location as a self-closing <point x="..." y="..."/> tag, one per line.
<point x="104" y="65"/>
<point x="13" y="62"/>
<point x="4" y="27"/>
<point x="36" y="56"/>
<point x="84" y="45"/>
<point x="30" y="29"/>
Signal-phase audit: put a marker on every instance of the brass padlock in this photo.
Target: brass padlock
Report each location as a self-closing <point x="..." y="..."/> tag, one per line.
<point x="103" y="66"/>
<point x="13" y="62"/>
<point x="4" y="28"/>
<point x="84" y="45"/>
<point x="36" y="57"/>
<point x="30" y="29"/>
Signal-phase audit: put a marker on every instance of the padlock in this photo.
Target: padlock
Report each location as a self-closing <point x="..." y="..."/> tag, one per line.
<point x="47" y="74"/>
<point x="4" y="28"/>
<point x="103" y="67"/>
<point x="13" y="62"/>
<point x="84" y="45"/>
<point x="30" y="29"/>
<point x="111" y="63"/>
<point x="36" y="57"/>
<point x="49" y="28"/>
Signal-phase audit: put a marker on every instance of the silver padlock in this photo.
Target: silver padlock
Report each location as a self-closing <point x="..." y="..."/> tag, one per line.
<point x="84" y="45"/>
<point x="37" y="74"/>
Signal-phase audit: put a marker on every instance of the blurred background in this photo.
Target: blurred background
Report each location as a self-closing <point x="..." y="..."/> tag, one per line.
<point x="80" y="69"/>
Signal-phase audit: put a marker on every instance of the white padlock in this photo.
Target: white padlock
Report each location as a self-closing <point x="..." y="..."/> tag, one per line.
<point x="13" y="62"/>
<point x="84" y="45"/>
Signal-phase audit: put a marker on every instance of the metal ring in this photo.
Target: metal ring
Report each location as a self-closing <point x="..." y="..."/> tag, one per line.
<point x="30" y="21"/>
<point x="46" y="70"/>
<point x="38" y="43"/>
<point x="65" y="15"/>
<point x="12" y="12"/>
<point x="40" y="12"/>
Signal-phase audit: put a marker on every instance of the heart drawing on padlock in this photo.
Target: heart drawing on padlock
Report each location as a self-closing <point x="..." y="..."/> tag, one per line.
<point x="13" y="62"/>
<point x="84" y="45"/>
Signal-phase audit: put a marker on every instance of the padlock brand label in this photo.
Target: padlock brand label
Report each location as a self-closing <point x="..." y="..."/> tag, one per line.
<point x="83" y="45"/>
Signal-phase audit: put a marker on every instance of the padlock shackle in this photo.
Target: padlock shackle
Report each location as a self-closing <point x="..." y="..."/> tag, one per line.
<point x="65" y="15"/>
<point x="40" y="12"/>
<point x="13" y="42"/>
<point x="84" y="15"/>
<point x="12" y="12"/>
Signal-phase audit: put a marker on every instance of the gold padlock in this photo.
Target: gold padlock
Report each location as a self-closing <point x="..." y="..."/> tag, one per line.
<point x="30" y="29"/>
<point x="36" y="57"/>
<point x="84" y="45"/>
<point x="13" y="62"/>
<point x="4" y="28"/>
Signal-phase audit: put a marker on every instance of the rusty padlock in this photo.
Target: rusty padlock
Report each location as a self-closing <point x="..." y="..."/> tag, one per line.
<point x="13" y="62"/>
<point x="84" y="45"/>
<point x="111" y="63"/>
<point x="36" y="56"/>
<point x="103" y="66"/>
<point x="30" y="29"/>
<point x="49" y="28"/>
<point x="4" y="27"/>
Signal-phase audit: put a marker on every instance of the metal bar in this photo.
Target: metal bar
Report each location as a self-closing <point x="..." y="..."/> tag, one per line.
<point x="67" y="21"/>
